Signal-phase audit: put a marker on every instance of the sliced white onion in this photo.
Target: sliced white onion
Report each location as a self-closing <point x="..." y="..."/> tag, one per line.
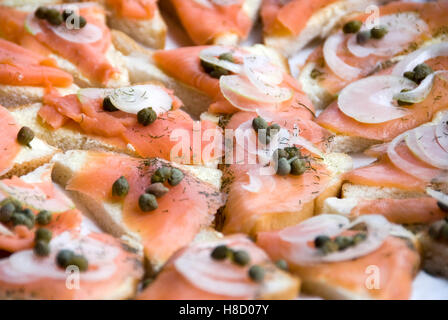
<point x="370" y="100"/>
<point x="132" y="99"/>
<point x="423" y="143"/>
<point x="422" y="173"/>
<point x="442" y="133"/>
<point x="211" y="55"/>
<point x="301" y="141"/>
<point x="261" y="71"/>
<point x="420" y="56"/>
<point x="378" y="229"/>
<point x="90" y="33"/>
<point x="336" y="64"/>
<point x="421" y="92"/>
<point x="220" y="277"/>
<point x="439" y="196"/>
<point x="402" y="28"/>
<point x="32" y="24"/>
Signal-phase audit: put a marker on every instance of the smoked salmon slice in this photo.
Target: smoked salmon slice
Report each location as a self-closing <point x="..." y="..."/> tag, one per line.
<point x="134" y="9"/>
<point x="8" y="144"/>
<point x="182" y="212"/>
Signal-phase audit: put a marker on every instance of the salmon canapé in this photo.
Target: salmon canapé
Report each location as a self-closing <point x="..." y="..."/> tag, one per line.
<point x="143" y="120"/>
<point x="160" y="206"/>
<point x="207" y="271"/>
<point x="337" y="259"/>
<point x="366" y="44"/>
<point x="85" y="44"/>
<point x="235" y="79"/>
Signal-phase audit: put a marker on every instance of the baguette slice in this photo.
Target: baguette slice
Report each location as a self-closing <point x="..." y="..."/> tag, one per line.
<point x="109" y="214"/>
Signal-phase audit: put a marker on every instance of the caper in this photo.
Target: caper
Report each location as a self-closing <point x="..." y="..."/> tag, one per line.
<point x="54" y="17"/>
<point x="442" y="206"/>
<point x="256" y="273"/>
<point x="82" y="22"/>
<point x="359" y="237"/>
<point x="362" y="37"/>
<point x="273" y="128"/>
<point x="80" y="261"/>
<point x="421" y="71"/>
<point x="213" y="71"/>
<point x="319" y="241"/>
<point x="41" y="248"/>
<point x="329" y="247"/>
<point x="283" y="167"/>
<point x="343" y="242"/>
<point x="282" y="264"/>
<point x="378" y="32"/>
<point x="176" y="177"/>
<point x="43" y="234"/>
<point x="434" y="229"/>
<point x="146" y="116"/>
<point x="17" y="205"/>
<point x="293" y="152"/>
<point x="6" y="212"/>
<point x="404" y="103"/>
<point x="147" y="202"/>
<point x="228" y="56"/>
<point x="64" y="257"/>
<point x="444" y="232"/>
<point x="157" y="189"/>
<point x="280" y="153"/>
<point x="221" y="252"/>
<point x="352" y="26"/>
<point x="44" y="217"/>
<point x="409" y="75"/>
<point x="241" y="257"/>
<point x="161" y="175"/>
<point x="29" y="214"/>
<point x="298" y="167"/>
<point x="259" y="123"/>
<point x="21" y="219"/>
<point x="120" y="188"/>
<point x="25" y="136"/>
<point x="41" y="13"/>
<point x="67" y="13"/>
<point x="108" y="105"/>
<point x="315" y="73"/>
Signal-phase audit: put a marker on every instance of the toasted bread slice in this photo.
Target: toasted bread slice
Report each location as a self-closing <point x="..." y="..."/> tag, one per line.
<point x="142" y="68"/>
<point x="318" y="25"/>
<point x="109" y="214"/>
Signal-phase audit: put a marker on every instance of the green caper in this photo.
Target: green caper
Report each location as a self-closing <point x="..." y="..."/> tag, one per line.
<point x="157" y="189"/>
<point x="82" y="22"/>
<point x="404" y="103"/>
<point x="80" y="261"/>
<point x="273" y="128"/>
<point x="444" y="232"/>
<point x="343" y="242"/>
<point x="283" y="167"/>
<point x="120" y="188"/>
<point x="362" y="37"/>
<point x="43" y="234"/>
<point x="54" y="17"/>
<point x="6" y="212"/>
<point x="221" y="252"/>
<point x="241" y="257"/>
<point x="329" y="247"/>
<point x="434" y="229"/>
<point x="293" y="152"/>
<point x="161" y="175"/>
<point x="108" y="105"/>
<point x="67" y="13"/>
<point x="359" y="237"/>
<point x="256" y="273"/>
<point x="409" y="75"/>
<point x="228" y="56"/>
<point x="378" y="32"/>
<point x="64" y="257"/>
<point x="25" y="136"/>
<point x="298" y="167"/>
<point x="41" y="13"/>
<point x="280" y="153"/>
<point x="176" y="177"/>
<point x="421" y="71"/>
<point x="42" y="248"/>
<point x="43" y="217"/>
<point x="319" y="241"/>
<point x="213" y="70"/>
<point x="146" y="116"/>
<point x="21" y="219"/>
<point x="147" y="202"/>
<point x="442" y="206"/>
<point x="29" y="214"/>
<point x="259" y="123"/>
<point x="352" y="26"/>
<point x="17" y="205"/>
<point x="282" y="264"/>
<point x="315" y="73"/>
